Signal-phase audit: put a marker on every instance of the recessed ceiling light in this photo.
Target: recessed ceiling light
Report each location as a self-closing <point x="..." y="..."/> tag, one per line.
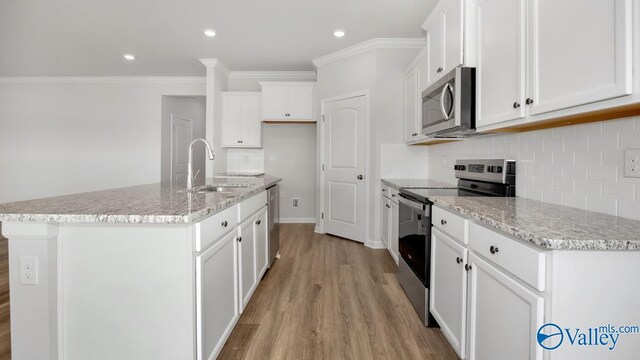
<point x="129" y="57"/>
<point x="339" y="33"/>
<point x="210" y="32"/>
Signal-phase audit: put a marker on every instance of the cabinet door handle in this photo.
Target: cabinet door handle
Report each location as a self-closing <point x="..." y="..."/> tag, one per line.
<point x="467" y="267"/>
<point x="458" y="259"/>
<point x="239" y="238"/>
<point x="516" y="105"/>
<point x="529" y="101"/>
<point x="224" y="223"/>
<point x="443" y="222"/>
<point x="493" y="249"/>
<point x="258" y="222"/>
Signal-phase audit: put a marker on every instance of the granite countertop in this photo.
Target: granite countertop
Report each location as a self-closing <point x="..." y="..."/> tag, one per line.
<point x="417" y="184"/>
<point x="548" y="226"/>
<point x="146" y="204"/>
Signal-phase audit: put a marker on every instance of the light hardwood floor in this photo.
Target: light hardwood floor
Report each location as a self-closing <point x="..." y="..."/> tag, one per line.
<point x="325" y="298"/>
<point x="331" y="298"/>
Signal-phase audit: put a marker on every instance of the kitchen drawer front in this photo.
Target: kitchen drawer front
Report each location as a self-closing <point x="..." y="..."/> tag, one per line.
<point x="521" y="261"/>
<point x="393" y="195"/>
<point x="251" y="205"/>
<point x="386" y="190"/>
<point x="453" y="225"/>
<point x="211" y="229"/>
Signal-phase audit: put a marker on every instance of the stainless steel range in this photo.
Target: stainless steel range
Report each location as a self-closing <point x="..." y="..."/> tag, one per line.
<point x="493" y="177"/>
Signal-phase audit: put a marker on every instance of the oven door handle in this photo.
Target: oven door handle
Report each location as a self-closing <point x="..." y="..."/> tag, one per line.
<point x="445" y="113"/>
<point x="411" y="203"/>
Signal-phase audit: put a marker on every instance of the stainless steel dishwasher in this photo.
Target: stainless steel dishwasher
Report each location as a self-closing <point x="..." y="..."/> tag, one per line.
<point x="273" y="196"/>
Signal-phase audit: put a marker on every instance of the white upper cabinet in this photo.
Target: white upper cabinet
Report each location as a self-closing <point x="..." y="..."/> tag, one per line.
<point x="445" y="42"/>
<point x="287" y="101"/>
<point x="500" y="71"/>
<point x="411" y="102"/>
<point x="241" y="126"/>
<point x="580" y="52"/>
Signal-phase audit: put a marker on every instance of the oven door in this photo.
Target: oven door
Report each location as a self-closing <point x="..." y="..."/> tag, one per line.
<point x="414" y="236"/>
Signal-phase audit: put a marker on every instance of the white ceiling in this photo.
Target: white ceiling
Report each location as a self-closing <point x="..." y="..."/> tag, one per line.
<point x="89" y="37"/>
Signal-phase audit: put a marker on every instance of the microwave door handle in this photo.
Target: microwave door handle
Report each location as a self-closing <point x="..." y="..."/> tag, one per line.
<point x="453" y="97"/>
<point x="442" y="109"/>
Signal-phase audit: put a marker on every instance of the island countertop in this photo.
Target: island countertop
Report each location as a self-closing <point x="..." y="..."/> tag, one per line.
<point x="143" y="204"/>
<point x="548" y="226"/>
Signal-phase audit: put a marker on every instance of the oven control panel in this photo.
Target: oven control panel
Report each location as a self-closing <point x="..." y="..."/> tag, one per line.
<point x="493" y="170"/>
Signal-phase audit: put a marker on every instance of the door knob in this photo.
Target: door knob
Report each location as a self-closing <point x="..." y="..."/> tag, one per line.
<point x="360" y="177"/>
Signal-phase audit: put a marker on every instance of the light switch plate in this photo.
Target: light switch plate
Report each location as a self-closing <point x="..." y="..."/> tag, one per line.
<point x="632" y="163"/>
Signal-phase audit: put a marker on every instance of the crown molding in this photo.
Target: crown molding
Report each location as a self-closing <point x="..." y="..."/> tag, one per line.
<point x="373" y="44"/>
<point x="280" y="75"/>
<point x="103" y="79"/>
<point x="216" y="64"/>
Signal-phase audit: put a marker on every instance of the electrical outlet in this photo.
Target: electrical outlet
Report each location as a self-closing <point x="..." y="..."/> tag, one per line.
<point x="632" y="163"/>
<point x="29" y="270"/>
<point x="296" y="202"/>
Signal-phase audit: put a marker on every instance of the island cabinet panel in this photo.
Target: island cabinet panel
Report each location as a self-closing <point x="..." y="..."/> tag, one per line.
<point x="261" y="233"/>
<point x="216" y="295"/>
<point x="247" y="265"/>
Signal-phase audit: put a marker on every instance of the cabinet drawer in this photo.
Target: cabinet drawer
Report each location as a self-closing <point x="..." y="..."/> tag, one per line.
<point x="386" y="190"/>
<point x="209" y="230"/>
<point x="393" y="195"/>
<point x="251" y="205"/>
<point x="521" y="261"/>
<point x="450" y="223"/>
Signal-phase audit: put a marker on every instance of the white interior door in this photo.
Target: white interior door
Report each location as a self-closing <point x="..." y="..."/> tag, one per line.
<point x="344" y="167"/>
<point x="181" y="137"/>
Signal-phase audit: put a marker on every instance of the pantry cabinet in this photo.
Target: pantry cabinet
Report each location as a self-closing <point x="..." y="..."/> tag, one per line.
<point x="241" y="125"/>
<point x="499" y="305"/>
<point x="287" y="101"/>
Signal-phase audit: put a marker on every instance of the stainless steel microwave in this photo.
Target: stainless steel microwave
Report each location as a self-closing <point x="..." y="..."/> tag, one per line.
<point x="449" y="105"/>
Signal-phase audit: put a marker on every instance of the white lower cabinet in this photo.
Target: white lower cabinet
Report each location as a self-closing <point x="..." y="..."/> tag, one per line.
<point x="395" y="231"/>
<point x="228" y="272"/>
<point x="448" y="298"/>
<point x="262" y="242"/>
<point x="503" y="315"/>
<point x="385" y="221"/>
<point x="216" y="295"/>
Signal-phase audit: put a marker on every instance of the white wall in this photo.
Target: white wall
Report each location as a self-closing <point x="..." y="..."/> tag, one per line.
<point x="186" y="107"/>
<point x="578" y="166"/>
<point x="381" y="72"/>
<point x="69" y="135"/>
<point x="288" y="152"/>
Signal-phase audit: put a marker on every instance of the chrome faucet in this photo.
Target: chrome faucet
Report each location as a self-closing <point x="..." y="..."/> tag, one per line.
<point x="190" y="165"/>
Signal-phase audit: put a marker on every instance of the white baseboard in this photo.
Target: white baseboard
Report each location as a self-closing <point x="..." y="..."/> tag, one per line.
<point x="375" y="244"/>
<point x="297" y="220"/>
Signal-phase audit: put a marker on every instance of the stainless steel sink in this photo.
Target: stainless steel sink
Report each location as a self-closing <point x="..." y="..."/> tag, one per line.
<point x="219" y="188"/>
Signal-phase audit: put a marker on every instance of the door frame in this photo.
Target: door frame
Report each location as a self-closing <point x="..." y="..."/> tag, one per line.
<point x="174" y="116"/>
<point x="367" y="184"/>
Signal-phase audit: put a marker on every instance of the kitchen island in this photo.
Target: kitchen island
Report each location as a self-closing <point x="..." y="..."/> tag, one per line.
<point x="143" y="272"/>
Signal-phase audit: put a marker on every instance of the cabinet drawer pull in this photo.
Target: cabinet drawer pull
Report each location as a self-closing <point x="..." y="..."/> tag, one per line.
<point x="458" y="259"/>
<point x="258" y="222"/>
<point x="225" y="223"/>
<point x="529" y="101"/>
<point x="516" y="105"/>
<point x="443" y="222"/>
<point x="239" y="238"/>
<point x="493" y="249"/>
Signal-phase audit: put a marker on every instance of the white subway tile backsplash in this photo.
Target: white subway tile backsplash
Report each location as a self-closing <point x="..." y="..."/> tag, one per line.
<point x="602" y="205"/>
<point x="602" y="173"/>
<point x="629" y="209"/>
<point x="618" y="191"/>
<point x="578" y="166"/>
<point x="588" y="158"/>
<point x="591" y="188"/>
<point x="574" y="200"/>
